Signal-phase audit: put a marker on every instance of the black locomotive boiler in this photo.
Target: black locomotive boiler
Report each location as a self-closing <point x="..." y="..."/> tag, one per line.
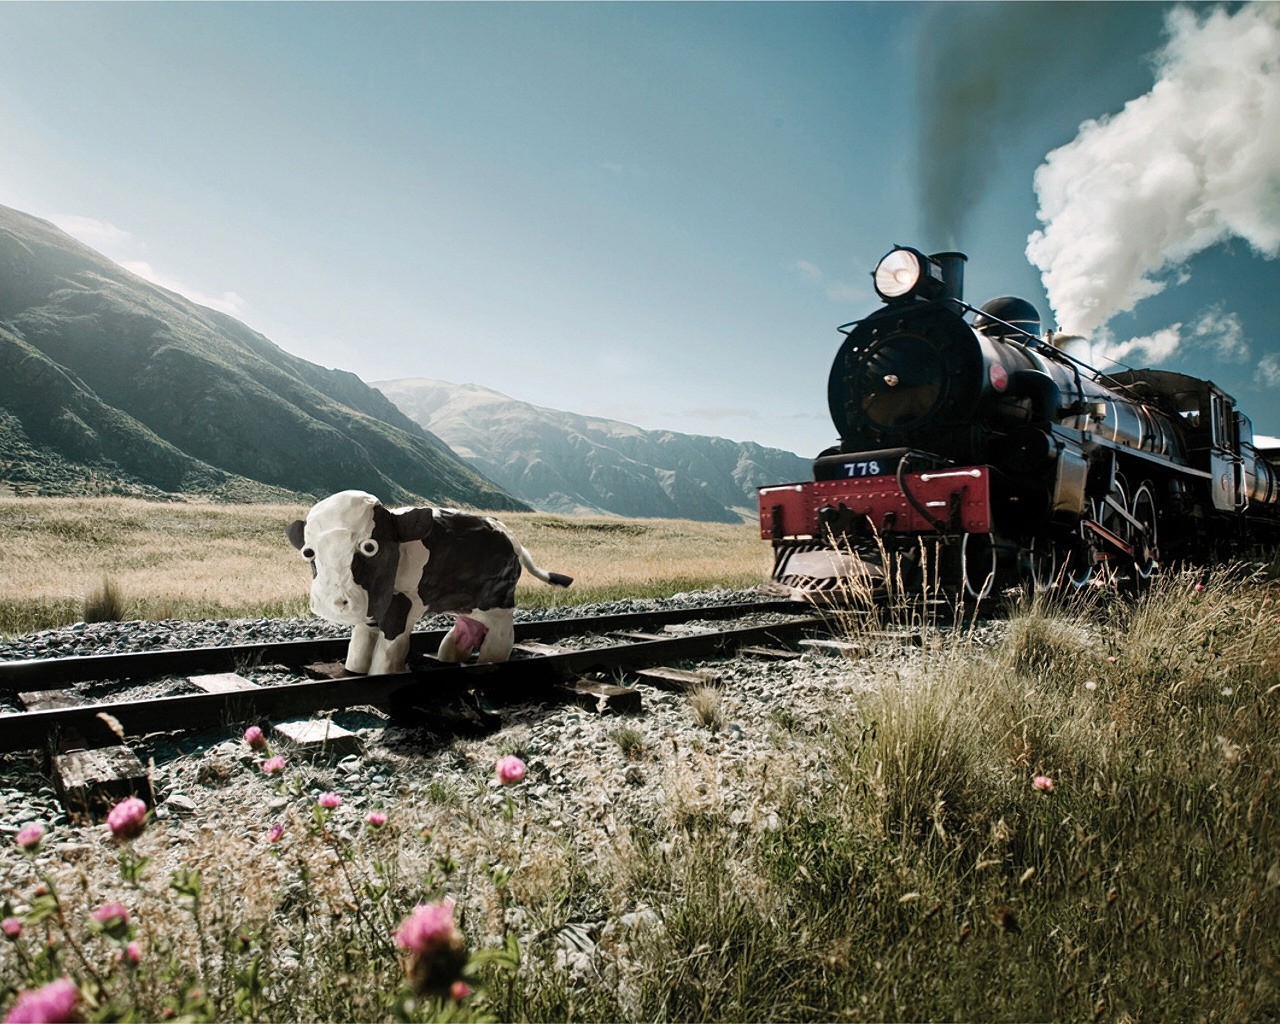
<point x="975" y="452"/>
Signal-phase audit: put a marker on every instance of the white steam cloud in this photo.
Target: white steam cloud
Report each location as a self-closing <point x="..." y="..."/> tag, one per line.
<point x="1213" y="331"/>
<point x="1192" y="163"/>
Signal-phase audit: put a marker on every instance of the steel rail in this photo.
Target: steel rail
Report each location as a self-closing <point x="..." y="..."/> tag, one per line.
<point x="29" y="676"/>
<point x="507" y="682"/>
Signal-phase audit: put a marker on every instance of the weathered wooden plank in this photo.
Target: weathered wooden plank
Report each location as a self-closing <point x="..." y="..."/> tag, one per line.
<point x="317" y="732"/>
<point x="675" y="678"/>
<point x="540" y="650"/>
<point x="633" y="634"/>
<point x="327" y="670"/>
<point x="602" y="698"/>
<point x="222" y="682"/>
<point x="770" y="653"/>
<point x="842" y="646"/>
<point x="90" y="782"/>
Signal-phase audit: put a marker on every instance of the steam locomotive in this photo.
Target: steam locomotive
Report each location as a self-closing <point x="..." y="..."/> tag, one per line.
<point x="977" y="453"/>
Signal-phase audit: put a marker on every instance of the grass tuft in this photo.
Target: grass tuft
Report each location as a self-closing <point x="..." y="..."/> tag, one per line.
<point x="105" y="603"/>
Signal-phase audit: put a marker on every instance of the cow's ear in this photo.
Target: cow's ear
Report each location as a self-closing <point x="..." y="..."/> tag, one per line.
<point x="294" y="531"/>
<point x="413" y="523"/>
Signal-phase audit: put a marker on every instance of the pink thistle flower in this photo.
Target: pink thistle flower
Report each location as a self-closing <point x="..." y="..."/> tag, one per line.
<point x="435" y="950"/>
<point x="330" y="801"/>
<point x="53" y="1003"/>
<point x="459" y="991"/>
<point x="133" y="954"/>
<point x="1199" y="588"/>
<point x="1112" y="658"/>
<point x="111" y="915"/>
<point x="510" y="770"/>
<point x="376" y="819"/>
<point x="11" y="927"/>
<point x="272" y="765"/>
<point x="275" y="832"/>
<point x="127" y="818"/>
<point x="430" y="925"/>
<point x="253" y="736"/>
<point x="1043" y="783"/>
<point x="29" y="835"/>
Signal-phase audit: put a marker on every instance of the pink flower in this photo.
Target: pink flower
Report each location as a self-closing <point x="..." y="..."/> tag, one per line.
<point x="111" y="915"/>
<point x="1112" y="658"/>
<point x="11" y="927"/>
<point x="50" y="1004"/>
<point x="434" y="948"/>
<point x="510" y="770"/>
<point x="376" y="819"/>
<point x="330" y="801"/>
<point x="127" y="818"/>
<point x="459" y="991"/>
<point x="272" y="765"/>
<point x="275" y="832"/>
<point x="29" y="835"/>
<point x="133" y="954"/>
<point x="253" y="736"/>
<point x="429" y="926"/>
<point x="1043" y="783"/>
<point x="1198" y="588"/>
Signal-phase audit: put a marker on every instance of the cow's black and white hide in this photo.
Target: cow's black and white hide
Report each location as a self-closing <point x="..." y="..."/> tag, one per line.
<point x="380" y="570"/>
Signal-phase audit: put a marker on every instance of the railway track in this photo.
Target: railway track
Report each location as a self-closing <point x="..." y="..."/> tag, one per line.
<point x="556" y="660"/>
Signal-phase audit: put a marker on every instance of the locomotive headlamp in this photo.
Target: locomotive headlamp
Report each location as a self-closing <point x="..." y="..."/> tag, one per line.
<point x="907" y="272"/>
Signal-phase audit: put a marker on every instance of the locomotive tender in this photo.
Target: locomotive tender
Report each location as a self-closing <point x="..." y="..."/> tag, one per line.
<point x="974" y="454"/>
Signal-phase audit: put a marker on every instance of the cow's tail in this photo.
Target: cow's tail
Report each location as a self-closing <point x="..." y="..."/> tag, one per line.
<point x="556" y="579"/>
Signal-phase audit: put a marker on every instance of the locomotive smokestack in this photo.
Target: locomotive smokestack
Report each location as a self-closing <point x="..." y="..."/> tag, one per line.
<point x="952" y="264"/>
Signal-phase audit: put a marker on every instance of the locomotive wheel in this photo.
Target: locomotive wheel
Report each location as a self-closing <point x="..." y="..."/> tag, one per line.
<point x="1043" y="561"/>
<point x="1145" y="541"/>
<point x="1079" y="562"/>
<point x="978" y="565"/>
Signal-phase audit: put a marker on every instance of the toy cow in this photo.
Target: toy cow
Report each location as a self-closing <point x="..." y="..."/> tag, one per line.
<point x="380" y="570"/>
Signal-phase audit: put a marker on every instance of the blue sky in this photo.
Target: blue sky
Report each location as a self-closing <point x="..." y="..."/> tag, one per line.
<point x="651" y="212"/>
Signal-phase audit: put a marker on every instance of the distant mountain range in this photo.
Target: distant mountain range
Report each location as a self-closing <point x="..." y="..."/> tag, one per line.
<point x="111" y="384"/>
<point x="567" y="463"/>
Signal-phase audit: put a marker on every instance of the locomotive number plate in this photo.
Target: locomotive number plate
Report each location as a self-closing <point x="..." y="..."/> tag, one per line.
<point x="865" y="467"/>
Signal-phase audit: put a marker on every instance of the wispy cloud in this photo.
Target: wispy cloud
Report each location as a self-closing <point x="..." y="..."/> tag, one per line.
<point x="721" y="412"/>
<point x="836" y="291"/>
<point x="1212" y="332"/>
<point x="1268" y="372"/>
<point x="228" y="302"/>
<point x="126" y="248"/>
<point x="98" y="233"/>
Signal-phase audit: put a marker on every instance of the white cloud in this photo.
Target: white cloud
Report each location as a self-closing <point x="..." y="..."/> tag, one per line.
<point x="91" y="231"/>
<point x="1224" y="331"/>
<point x="1265" y="441"/>
<point x="228" y="302"/>
<point x="127" y="250"/>
<point x="1268" y="372"/>
<point x="838" y="291"/>
<point x="1213" y="330"/>
<point x="810" y="270"/>
<point x="1192" y="163"/>
<point x="1153" y="348"/>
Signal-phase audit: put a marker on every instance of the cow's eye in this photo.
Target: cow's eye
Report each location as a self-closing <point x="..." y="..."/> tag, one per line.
<point x="369" y="547"/>
<point x="308" y="553"/>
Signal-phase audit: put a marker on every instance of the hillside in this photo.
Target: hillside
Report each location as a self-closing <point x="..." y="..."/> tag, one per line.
<point x="563" y="462"/>
<point x="135" y="389"/>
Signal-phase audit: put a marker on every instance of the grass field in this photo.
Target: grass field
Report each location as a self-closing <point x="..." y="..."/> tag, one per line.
<point x="1075" y="820"/>
<point x="210" y="561"/>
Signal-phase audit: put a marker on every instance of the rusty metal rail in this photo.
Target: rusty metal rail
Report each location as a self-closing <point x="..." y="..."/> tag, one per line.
<point x="527" y="678"/>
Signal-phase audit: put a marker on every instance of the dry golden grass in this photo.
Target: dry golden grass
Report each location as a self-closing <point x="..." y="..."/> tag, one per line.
<point x="171" y="560"/>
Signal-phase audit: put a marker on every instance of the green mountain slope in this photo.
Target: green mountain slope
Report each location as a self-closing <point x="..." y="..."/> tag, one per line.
<point x="102" y="368"/>
<point x="565" y="462"/>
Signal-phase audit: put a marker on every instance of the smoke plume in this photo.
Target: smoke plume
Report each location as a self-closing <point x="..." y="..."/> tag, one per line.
<point x="1194" y="162"/>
